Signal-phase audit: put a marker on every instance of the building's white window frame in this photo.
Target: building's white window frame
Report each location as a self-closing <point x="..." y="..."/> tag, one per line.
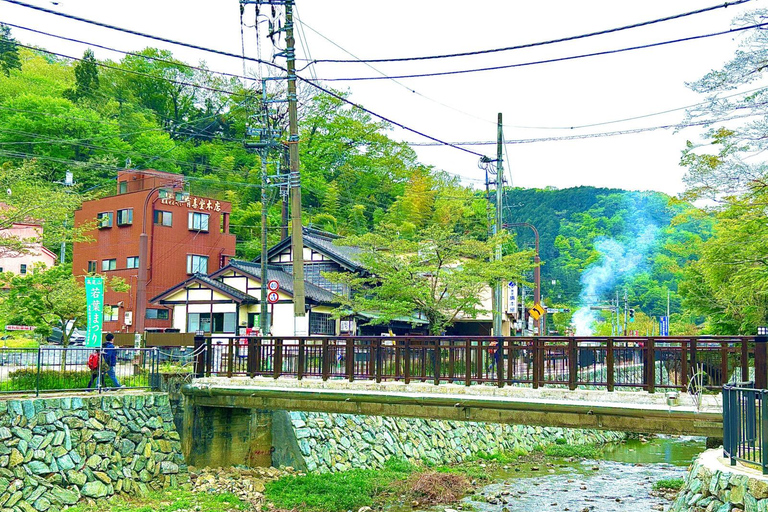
<point x="109" y="264"/>
<point x="199" y="221"/>
<point x="125" y="217"/>
<point x="194" y="263"/>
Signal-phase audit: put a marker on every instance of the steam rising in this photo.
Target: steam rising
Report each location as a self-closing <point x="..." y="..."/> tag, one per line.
<point x="618" y="261"/>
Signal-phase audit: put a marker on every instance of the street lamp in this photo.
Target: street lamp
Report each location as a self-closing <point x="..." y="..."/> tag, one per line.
<point x="141" y="281"/>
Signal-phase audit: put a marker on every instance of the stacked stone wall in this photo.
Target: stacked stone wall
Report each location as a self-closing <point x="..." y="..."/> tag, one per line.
<point x="56" y="451"/>
<point x="713" y="486"/>
<point x="338" y="442"/>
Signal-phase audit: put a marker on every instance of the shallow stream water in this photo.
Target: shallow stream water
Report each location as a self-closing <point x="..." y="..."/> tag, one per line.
<point x="620" y="482"/>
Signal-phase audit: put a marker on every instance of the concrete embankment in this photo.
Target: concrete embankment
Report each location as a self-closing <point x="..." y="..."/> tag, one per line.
<point x="55" y="451"/>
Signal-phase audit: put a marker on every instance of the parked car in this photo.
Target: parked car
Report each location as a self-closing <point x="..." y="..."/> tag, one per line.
<point x="76" y="338"/>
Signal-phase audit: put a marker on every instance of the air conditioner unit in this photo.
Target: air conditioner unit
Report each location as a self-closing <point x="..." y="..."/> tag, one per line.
<point x="129" y="318"/>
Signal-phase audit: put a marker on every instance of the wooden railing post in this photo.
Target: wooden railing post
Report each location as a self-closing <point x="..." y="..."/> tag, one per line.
<point x="301" y="358"/>
<point x="257" y="356"/>
<point x="407" y="361"/>
<point x="325" y="360"/>
<point x="610" y="364"/>
<point x="377" y="361"/>
<point x="350" y="357"/>
<point x="744" y="359"/>
<point x="499" y="355"/>
<point x="573" y="363"/>
<point x="468" y="362"/>
<point x="230" y="356"/>
<point x="251" y="361"/>
<point x="208" y="357"/>
<point x="277" y="357"/>
<point x="684" y="364"/>
<point x="537" y="360"/>
<point x="650" y="361"/>
<point x="436" y="361"/>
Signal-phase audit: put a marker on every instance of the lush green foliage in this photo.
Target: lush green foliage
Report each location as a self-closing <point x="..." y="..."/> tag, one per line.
<point x="674" y="484"/>
<point x="582" y="451"/>
<point x="347" y="490"/>
<point x="172" y="500"/>
<point x="439" y="274"/>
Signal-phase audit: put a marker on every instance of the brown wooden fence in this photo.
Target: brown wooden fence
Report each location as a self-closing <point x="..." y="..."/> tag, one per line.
<point x="647" y="363"/>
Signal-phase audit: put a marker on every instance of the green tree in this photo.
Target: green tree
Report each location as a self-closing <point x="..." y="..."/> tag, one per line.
<point x="440" y="275"/>
<point x="9" y="52"/>
<point x="86" y="78"/>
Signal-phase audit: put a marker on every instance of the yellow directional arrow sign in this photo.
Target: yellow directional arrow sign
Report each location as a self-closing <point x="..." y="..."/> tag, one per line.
<point x="537" y="311"/>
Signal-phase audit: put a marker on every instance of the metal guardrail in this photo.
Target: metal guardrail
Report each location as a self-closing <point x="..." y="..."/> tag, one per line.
<point x="745" y="425"/>
<point x="45" y="369"/>
<point x="647" y="363"/>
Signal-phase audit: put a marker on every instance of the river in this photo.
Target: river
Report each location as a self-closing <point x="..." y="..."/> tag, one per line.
<point x="620" y="482"/>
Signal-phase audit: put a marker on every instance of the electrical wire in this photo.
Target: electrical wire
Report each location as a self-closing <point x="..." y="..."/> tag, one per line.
<point x="305" y="80"/>
<point x="406" y="87"/>
<point x="679" y="126"/>
<point x="545" y="61"/>
<point x="531" y="45"/>
<point x="243" y="77"/>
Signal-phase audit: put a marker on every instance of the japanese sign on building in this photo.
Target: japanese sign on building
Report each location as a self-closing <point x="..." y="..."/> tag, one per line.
<point x="194" y="203"/>
<point x="94" y="294"/>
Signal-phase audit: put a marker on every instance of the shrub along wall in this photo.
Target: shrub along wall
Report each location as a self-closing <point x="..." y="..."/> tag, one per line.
<point x="337" y="442"/>
<point x="55" y="451"/>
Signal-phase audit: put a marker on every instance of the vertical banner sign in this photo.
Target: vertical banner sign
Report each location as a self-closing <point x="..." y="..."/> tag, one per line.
<point x="664" y="325"/>
<point x="94" y="296"/>
<point x="512" y="298"/>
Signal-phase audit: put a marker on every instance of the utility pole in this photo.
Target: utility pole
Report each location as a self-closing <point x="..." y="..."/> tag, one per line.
<point x="625" y="312"/>
<point x="297" y="234"/>
<point x="497" y="321"/>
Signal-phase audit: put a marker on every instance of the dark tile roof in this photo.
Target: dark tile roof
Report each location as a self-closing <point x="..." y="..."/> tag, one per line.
<point x="322" y="241"/>
<point x="285" y="280"/>
<point x="231" y="291"/>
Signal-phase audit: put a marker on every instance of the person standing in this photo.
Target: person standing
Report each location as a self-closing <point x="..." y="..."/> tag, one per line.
<point x="109" y="359"/>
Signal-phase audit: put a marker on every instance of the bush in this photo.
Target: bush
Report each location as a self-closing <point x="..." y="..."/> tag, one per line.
<point x="26" y="379"/>
<point x="582" y="451"/>
<point x="673" y="484"/>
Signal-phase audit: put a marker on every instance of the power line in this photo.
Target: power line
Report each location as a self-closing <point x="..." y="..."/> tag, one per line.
<point x="546" y="61"/>
<point x="305" y="80"/>
<point x="593" y="135"/>
<point x="531" y="45"/>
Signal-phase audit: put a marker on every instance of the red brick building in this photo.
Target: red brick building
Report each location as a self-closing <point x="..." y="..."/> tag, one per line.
<point x="152" y="216"/>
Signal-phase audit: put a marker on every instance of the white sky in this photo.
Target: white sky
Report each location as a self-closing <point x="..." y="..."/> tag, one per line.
<point x="578" y="92"/>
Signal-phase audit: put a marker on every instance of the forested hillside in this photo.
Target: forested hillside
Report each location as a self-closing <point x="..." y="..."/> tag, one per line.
<point x="149" y="110"/>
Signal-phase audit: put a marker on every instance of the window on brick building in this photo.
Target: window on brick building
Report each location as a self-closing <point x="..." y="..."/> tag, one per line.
<point x="197" y="263"/>
<point x="198" y="221"/>
<point x="132" y="262"/>
<point x="109" y="264"/>
<point x="163" y="218"/>
<point x="92" y="267"/>
<point x="104" y="219"/>
<point x="125" y="217"/>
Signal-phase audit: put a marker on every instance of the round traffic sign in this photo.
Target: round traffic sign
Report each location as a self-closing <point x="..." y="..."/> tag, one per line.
<point x="272" y="297"/>
<point x="273" y="285"/>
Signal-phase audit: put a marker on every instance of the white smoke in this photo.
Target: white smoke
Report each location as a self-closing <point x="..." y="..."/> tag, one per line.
<point x="617" y="262"/>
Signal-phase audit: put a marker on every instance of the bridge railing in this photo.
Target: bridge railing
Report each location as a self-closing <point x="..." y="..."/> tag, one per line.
<point x="647" y="363"/>
<point x="745" y="425"/>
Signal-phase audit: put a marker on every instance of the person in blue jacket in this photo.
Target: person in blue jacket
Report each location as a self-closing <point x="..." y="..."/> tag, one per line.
<point x="110" y="359"/>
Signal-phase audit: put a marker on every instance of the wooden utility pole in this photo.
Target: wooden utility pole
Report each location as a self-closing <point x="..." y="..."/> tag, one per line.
<point x="497" y="293"/>
<point x="297" y="234"/>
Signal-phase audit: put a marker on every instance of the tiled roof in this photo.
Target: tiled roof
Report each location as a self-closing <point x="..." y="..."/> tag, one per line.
<point x="233" y="292"/>
<point x="285" y="280"/>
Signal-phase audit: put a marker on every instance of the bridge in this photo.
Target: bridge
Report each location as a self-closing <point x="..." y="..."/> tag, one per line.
<point x="611" y="383"/>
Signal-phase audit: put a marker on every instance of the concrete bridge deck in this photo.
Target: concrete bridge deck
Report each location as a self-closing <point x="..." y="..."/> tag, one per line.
<point x="620" y="411"/>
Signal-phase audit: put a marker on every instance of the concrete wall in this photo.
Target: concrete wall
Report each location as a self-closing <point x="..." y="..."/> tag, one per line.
<point x="712" y="485"/>
<point x="54" y="451"/>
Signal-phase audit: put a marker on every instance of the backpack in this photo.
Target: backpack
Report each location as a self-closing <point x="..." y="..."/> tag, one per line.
<point x="93" y="361"/>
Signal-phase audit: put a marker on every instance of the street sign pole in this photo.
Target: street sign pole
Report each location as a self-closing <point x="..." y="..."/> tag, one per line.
<point x="94" y="293"/>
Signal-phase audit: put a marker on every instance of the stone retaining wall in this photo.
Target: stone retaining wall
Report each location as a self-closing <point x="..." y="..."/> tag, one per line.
<point x="55" y="451"/>
<point x="337" y="442"/>
<point x="714" y="486"/>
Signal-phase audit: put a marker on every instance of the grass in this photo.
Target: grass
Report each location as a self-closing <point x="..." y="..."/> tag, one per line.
<point x="581" y="451"/>
<point x="26" y="379"/>
<point x="20" y="342"/>
<point x="168" y="501"/>
<point x="673" y="484"/>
